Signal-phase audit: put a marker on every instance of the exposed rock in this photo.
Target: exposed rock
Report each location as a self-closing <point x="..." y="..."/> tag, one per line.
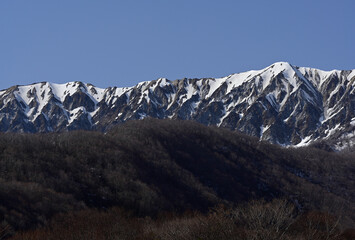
<point x="282" y="104"/>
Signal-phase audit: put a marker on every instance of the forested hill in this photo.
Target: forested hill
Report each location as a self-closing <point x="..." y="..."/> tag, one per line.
<point x="150" y="166"/>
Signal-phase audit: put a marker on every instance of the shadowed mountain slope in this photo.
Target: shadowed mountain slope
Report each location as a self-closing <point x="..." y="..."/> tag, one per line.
<point x="151" y="165"/>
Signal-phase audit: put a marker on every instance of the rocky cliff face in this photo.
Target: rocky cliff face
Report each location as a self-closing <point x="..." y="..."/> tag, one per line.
<point x="283" y="104"/>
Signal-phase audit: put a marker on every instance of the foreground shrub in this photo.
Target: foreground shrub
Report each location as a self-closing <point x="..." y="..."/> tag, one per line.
<point x="258" y="220"/>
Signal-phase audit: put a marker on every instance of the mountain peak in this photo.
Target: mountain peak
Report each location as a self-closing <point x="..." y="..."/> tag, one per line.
<point x="282" y="64"/>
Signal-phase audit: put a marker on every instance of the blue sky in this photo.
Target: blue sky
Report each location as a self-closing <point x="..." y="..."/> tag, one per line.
<point x="122" y="42"/>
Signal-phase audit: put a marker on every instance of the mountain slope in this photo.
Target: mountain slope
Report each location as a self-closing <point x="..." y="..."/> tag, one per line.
<point x="151" y="166"/>
<point x="282" y="104"/>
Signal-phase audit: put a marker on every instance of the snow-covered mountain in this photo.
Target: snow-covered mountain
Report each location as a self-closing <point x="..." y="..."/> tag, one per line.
<point x="281" y="103"/>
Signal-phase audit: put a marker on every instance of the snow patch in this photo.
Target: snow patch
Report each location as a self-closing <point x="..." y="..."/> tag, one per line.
<point x="316" y="76"/>
<point x="265" y="128"/>
<point x="142" y="115"/>
<point x="304" y="142"/>
<point x="352" y="121"/>
<point x="350" y="76"/>
<point x="189" y="92"/>
<point x="224" y="115"/>
<point x="308" y="98"/>
<point x="214" y="85"/>
<point x="75" y="113"/>
<point x="171" y="99"/>
<point x="330" y="132"/>
<point x="163" y="82"/>
<point x="272" y="100"/>
<point x="97" y="93"/>
<point x="93" y="113"/>
<point x="60" y="91"/>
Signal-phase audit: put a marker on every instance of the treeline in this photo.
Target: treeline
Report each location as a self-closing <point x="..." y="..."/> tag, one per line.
<point x="154" y="166"/>
<point x="277" y="219"/>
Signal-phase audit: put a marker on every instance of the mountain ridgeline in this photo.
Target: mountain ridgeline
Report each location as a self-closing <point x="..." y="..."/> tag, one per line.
<point x="282" y="104"/>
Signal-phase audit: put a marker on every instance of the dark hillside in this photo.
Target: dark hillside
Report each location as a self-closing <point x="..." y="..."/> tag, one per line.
<point x="153" y="165"/>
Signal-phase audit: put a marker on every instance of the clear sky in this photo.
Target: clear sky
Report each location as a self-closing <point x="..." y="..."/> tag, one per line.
<point x="123" y="42"/>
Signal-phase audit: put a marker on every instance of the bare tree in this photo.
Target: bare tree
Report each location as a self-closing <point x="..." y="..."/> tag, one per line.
<point x="5" y="231"/>
<point x="267" y="220"/>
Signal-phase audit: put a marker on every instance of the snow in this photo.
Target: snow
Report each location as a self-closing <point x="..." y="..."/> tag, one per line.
<point x="265" y="77"/>
<point x="117" y="93"/>
<point x="199" y="83"/>
<point x="236" y="80"/>
<point x="118" y="116"/>
<point x="171" y="98"/>
<point x="284" y="100"/>
<point x="143" y="96"/>
<point x="120" y="91"/>
<point x="42" y="103"/>
<point x="306" y="81"/>
<point x="114" y="101"/>
<point x="35" y="92"/>
<point x="352" y="121"/>
<point x="289" y="72"/>
<point x="41" y="94"/>
<point x="265" y="128"/>
<point x="293" y="112"/>
<point x="147" y="99"/>
<point x="95" y="94"/>
<point x="265" y="108"/>
<point x="308" y="98"/>
<point x="214" y="85"/>
<point x="60" y="91"/>
<point x="349" y="135"/>
<point x="346" y="140"/>
<point x="128" y="95"/>
<point x="143" y="85"/>
<point x="316" y="76"/>
<point x="322" y="119"/>
<point x="331" y="112"/>
<point x="92" y="114"/>
<point x="268" y="73"/>
<point x="100" y="92"/>
<point x="330" y="132"/>
<point x="233" y="81"/>
<point x="142" y="115"/>
<point x="154" y="85"/>
<point x="205" y="88"/>
<point x="305" y="141"/>
<point x="240" y="100"/>
<point x="189" y="92"/>
<point x="73" y="114"/>
<point x="193" y="107"/>
<point x="163" y="82"/>
<point x="224" y="115"/>
<point x="22" y="94"/>
<point x="350" y="76"/>
<point x="271" y="98"/>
